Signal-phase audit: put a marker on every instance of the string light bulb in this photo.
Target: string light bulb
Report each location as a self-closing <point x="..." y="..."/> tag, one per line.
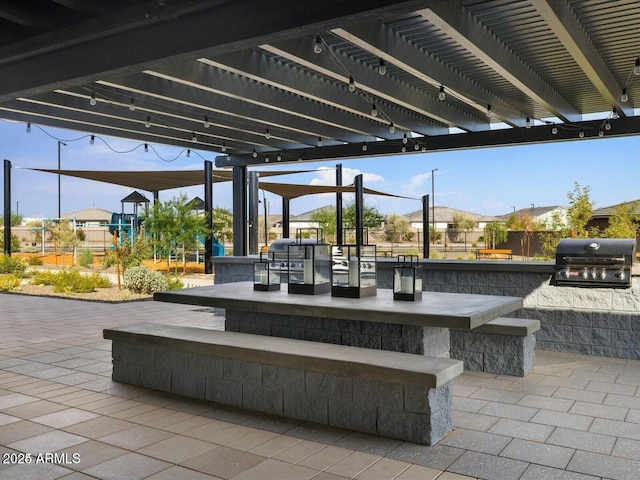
<point x="147" y="124"/>
<point x="92" y="140"/>
<point x="146" y="147"/>
<point x="28" y="127"/>
<point x="266" y="159"/>
<point x="267" y="134"/>
<point x="614" y="113"/>
<point x="188" y="152"/>
<point x="405" y="139"/>
<point x="364" y="146"/>
<point x="382" y="68"/>
<point x="416" y="147"/>
<point x="403" y="149"/>
<point x="441" y="94"/>
<point x="624" y="98"/>
<point x="392" y="128"/>
<point x="607" y="125"/>
<point x="374" y="111"/>
<point x="489" y="111"/>
<point x="93" y="100"/>
<point x="636" y="67"/>
<point x="581" y="134"/>
<point x="554" y="130"/>
<point x="318" y="46"/>
<point x="279" y="157"/>
<point x="194" y="139"/>
<point x="527" y="123"/>
<point x="319" y="141"/>
<point x="132" y="105"/>
<point x="424" y="148"/>
<point x="352" y="85"/>
<point x="224" y="147"/>
<point x="207" y="123"/>
<point x="601" y="133"/>
<point x="254" y="154"/>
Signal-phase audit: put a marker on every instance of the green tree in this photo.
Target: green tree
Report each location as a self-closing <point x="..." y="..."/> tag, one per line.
<point x="580" y="210"/>
<point x="495" y="233"/>
<point x="434" y="235"/>
<point x="222" y="224"/>
<point x="624" y="222"/>
<point x="463" y="222"/>
<point x="16" y="220"/>
<point x="397" y="228"/>
<point x="326" y="220"/>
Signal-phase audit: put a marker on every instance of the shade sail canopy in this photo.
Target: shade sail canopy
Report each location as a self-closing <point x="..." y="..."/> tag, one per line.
<point x="155" y="181"/>
<point x="290" y="191"/>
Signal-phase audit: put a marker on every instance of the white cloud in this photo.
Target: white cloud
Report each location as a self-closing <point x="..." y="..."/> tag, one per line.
<point x="418" y="181"/>
<point x="327" y="176"/>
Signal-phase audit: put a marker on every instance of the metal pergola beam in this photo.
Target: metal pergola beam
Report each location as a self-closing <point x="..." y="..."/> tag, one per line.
<point x="463" y="28"/>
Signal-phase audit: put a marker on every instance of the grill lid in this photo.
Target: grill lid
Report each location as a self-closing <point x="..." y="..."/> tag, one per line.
<point x="596" y="247"/>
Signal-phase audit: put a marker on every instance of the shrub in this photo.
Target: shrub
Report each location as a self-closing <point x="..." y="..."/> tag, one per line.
<point x="86" y="257"/>
<point x="13" y="265"/>
<point x="71" y="281"/>
<point x="174" y="283"/>
<point x="34" y="261"/>
<point x="9" y="282"/>
<point x="29" y="249"/>
<point x="144" y="280"/>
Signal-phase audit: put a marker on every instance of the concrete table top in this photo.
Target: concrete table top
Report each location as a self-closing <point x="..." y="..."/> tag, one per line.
<point x="448" y="310"/>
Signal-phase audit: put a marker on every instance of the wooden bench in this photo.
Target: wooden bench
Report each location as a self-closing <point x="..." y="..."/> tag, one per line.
<point x="494" y="253"/>
<point x="392" y="394"/>
<point x="504" y="346"/>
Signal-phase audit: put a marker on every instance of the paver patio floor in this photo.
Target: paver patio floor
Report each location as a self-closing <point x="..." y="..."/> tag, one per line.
<point x="573" y="417"/>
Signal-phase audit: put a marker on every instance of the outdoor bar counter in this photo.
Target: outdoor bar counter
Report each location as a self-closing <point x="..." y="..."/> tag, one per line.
<point x="420" y="327"/>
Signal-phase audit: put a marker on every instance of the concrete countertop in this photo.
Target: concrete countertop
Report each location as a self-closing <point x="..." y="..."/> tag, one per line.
<point x="449" y="310"/>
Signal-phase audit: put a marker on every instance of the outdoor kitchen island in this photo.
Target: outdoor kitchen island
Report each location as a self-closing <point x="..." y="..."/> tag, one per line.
<point x="399" y="385"/>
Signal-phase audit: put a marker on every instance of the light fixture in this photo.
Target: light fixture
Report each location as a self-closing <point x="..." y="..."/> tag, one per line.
<point x="267" y="134"/>
<point x="93" y="140"/>
<point x="319" y="141"/>
<point x="254" y="154"/>
<point x="581" y="134"/>
<point x="147" y="124"/>
<point x="188" y="152"/>
<point x="318" y="46"/>
<point x="441" y="94"/>
<point x="403" y="149"/>
<point x="224" y="147"/>
<point x="279" y="157"/>
<point x="636" y="67"/>
<point x="624" y="97"/>
<point x="405" y="139"/>
<point x="364" y="146"/>
<point x="416" y="147"/>
<point x="392" y="128"/>
<point x="489" y="111"/>
<point x="132" y="105"/>
<point x="601" y="133"/>
<point x="382" y="68"/>
<point x="28" y="128"/>
<point x="374" y="111"/>
<point x="93" y="100"/>
<point x="207" y="124"/>
<point x="146" y="147"/>
<point x="614" y="113"/>
<point x="607" y="125"/>
<point x="352" y="85"/>
<point x="527" y="123"/>
<point x="554" y="130"/>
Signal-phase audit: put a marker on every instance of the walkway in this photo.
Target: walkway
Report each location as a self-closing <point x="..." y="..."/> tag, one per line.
<point x="573" y="417"/>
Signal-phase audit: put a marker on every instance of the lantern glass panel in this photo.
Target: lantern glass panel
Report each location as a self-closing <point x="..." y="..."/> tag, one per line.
<point x="309" y="264"/>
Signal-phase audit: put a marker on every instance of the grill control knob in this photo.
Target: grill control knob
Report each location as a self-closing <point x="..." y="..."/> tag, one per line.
<point x="603" y="273"/>
<point x="593" y="273"/>
<point x="620" y="274"/>
<point x="565" y="273"/>
<point x="584" y="273"/>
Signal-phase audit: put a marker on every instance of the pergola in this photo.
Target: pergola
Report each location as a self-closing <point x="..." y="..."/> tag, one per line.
<point x="262" y="83"/>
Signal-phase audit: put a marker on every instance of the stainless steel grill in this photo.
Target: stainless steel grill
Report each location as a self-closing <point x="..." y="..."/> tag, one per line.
<point x="594" y="262"/>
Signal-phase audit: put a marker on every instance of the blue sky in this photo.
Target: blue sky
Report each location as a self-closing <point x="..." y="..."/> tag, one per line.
<point x="486" y="181"/>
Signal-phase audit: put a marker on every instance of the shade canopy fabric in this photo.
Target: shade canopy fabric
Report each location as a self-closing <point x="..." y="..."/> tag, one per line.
<point x="155" y="181"/>
<point x="290" y="191"/>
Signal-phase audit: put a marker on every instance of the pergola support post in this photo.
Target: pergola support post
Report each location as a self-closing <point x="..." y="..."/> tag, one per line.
<point x="285" y="218"/>
<point x="7" y="207"/>
<point x="253" y="213"/>
<point x="359" y="188"/>
<point x="239" y="211"/>
<point x="339" y="234"/>
<point x="426" y="233"/>
<point x="208" y="211"/>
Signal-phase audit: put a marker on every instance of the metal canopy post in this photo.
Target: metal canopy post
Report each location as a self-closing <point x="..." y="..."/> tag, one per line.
<point x="253" y="213"/>
<point x="239" y="211"/>
<point x="7" y="207"/>
<point x="285" y="217"/>
<point x="339" y="234"/>
<point x="426" y="237"/>
<point x="359" y="210"/>
<point x="208" y="211"/>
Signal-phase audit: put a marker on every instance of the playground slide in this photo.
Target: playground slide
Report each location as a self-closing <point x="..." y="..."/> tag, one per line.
<point x="218" y="248"/>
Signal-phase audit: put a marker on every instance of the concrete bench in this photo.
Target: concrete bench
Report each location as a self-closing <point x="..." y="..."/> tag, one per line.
<point x="392" y="394"/>
<point x="504" y="346"/>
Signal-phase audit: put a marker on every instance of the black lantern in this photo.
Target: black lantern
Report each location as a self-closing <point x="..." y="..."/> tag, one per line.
<point x="407" y="279"/>
<point x="266" y="277"/>
<point x="353" y="271"/>
<point x="309" y="262"/>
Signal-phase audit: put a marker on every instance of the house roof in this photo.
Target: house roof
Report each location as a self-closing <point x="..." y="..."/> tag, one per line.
<point x="532" y="212"/>
<point x="608" y="211"/>
<point x="443" y="214"/>
<point x="306" y="216"/>
<point x="90" y="214"/>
